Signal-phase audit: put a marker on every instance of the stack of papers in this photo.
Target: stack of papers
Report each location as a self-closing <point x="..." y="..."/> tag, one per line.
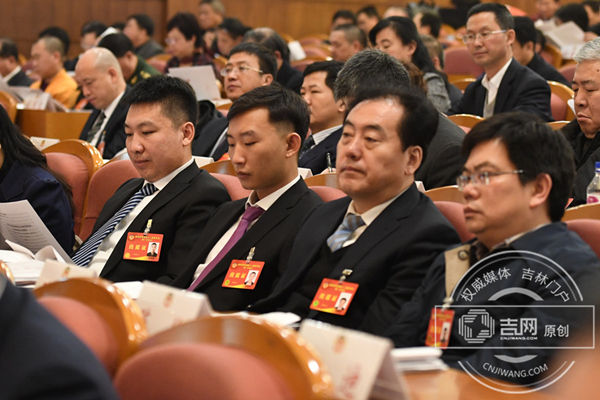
<point x="418" y="359"/>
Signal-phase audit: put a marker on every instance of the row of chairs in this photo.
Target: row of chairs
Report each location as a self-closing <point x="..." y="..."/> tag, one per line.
<point x="228" y="356"/>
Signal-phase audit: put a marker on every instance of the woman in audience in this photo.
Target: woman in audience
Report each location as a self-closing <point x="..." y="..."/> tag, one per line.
<point x="229" y="34"/>
<point x="398" y="37"/>
<point x="184" y="42"/>
<point x="24" y="175"/>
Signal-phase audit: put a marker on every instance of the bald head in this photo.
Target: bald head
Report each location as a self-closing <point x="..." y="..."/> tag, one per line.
<point x="100" y="77"/>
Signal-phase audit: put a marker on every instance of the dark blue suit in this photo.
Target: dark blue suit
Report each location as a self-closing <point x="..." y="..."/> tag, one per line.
<point x="46" y="196"/>
<point x="316" y="158"/>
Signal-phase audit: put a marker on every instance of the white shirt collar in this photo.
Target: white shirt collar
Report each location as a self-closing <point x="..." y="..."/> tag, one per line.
<point x="164" y="181"/>
<point x="492" y="85"/>
<point x="269" y="200"/>
<point x="10" y="75"/>
<point x="111" y="107"/>
<point x="370" y="215"/>
<point x="320" y="136"/>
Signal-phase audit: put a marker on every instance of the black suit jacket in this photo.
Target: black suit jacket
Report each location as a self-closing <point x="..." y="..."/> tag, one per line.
<point x="289" y="77"/>
<point x="316" y="158"/>
<point x="521" y="89"/>
<point x="114" y="130"/>
<point x="546" y="71"/>
<point x="389" y="260"/>
<point x="40" y="358"/>
<point x="271" y="236"/>
<point x="208" y="137"/>
<point x="179" y="212"/>
<point x="443" y="162"/>
<point x="20" y="79"/>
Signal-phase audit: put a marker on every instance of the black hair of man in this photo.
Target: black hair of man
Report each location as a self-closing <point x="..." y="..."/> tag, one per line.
<point x="144" y="22"/>
<point x="369" y="66"/>
<point x="503" y="17"/>
<point x="118" y="43"/>
<point x="540" y="38"/>
<point x="234" y="27"/>
<point x="96" y="27"/>
<point x="119" y="25"/>
<point x="433" y="21"/>
<point x="533" y="147"/>
<point x="188" y="25"/>
<point x="345" y="14"/>
<point x="332" y="68"/>
<point x="352" y="33"/>
<point x="266" y="60"/>
<point x="594" y="5"/>
<point x="419" y="120"/>
<point x="176" y="97"/>
<point x="8" y="48"/>
<point x="58" y="33"/>
<point x="287" y="110"/>
<point x="525" y="31"/>
<point x="574" y="12"/>
<point x="270" y="39"/>
<point x="370" y="12"/>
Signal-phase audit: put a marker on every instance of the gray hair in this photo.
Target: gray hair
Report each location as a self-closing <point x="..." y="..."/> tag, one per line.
<point x="371" y="67"/>
<point x="589" y="52"/>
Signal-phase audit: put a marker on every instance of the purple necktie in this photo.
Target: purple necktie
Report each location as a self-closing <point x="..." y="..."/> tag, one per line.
<point x="251" y="214"/>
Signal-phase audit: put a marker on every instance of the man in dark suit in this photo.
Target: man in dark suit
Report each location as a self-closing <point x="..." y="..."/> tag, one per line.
<point x="516" y="182"/>
<point x="376" y="245"/>
<point x="250" y="66"/>
<point x="10" y="67"/>
<point x="139" y="28"/>
<point x="524" y="51"/>
<point x="172" y="201"/>
<point x="103" y="85"/>
<point x="40" y="358"/>
<point x="287" y="76"/>
<point x="506" y="84"/>
<point x="265" y="157"/>
<point x="326" y="116"/>
<point x="442" y="162"/>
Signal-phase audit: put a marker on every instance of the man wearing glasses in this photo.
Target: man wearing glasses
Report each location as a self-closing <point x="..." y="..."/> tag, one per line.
<point x="250" y="65"/>
<point x="506" y="85"/>
<point x="516" y="183"/>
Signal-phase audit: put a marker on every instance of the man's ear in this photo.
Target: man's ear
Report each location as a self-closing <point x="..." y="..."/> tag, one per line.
<point x="188" y="131"/>
<point x="540" y="190"/>
<point x="267" y="79"/>
<point x="415" y="157"/>
<point x="294" y="142"/>
<point x="510" y="36"/>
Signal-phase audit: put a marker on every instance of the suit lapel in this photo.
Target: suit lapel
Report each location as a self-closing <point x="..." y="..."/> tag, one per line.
<point x="505" y="87"/>
<point x="480" y="96"/>
<point x="209" y="138"/>
<point x="89" y="123"/>
<point x="121" y="109"/>
<point x="322" y="148"/>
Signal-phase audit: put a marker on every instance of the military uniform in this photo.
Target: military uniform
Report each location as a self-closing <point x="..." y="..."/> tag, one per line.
<point x="143" y="70"/>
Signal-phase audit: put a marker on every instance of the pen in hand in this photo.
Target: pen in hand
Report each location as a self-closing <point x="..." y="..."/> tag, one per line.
<point x="329" y="162"/>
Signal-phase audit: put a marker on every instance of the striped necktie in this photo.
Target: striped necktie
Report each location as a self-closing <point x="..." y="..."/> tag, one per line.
<point x="95" y="128"/>
<point x="86" y="252"/>
<point x="351" y="223"/>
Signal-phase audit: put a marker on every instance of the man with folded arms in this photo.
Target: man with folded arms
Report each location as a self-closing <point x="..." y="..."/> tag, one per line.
<point x="102" y="83"/>
<point x="326" y="116"/>
<point x="171" y="202"/>
<point x="374" y="246"/>
<point x="266" y="130"/>
<point x="516" y="182"/>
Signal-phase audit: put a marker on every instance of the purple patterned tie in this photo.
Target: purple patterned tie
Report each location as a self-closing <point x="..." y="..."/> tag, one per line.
<point x="251" y="214"/>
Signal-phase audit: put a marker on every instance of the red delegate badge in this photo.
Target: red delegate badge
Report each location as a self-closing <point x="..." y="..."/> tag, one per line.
<point x="334" y="296"/>
<point x="243" y="274"/>
<point x="440" y="327"/>
<point x="142" y="247"/>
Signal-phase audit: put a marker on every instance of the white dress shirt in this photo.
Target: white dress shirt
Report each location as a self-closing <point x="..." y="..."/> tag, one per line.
<point x="492" y="85"/>
<point x="320" y="136"/>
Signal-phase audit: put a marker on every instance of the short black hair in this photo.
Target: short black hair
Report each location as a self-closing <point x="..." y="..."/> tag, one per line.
<point x="346" y="14"/>
<point x="119" y="25"/>
<point x="266" y="60"/>
<point x="270" y="39"/>
<point x="234" y="27"/>
<point x="525" y="31"/>
<point x="144" y="22"/>
<point x="419" y="120"/>
<point x="60" y="34"/>
<point x="503" y="17"/>
<point x="118" y="43"/>
<point x="176" y="97"/>
<point x="370" y="11"/>
<point x="96" y="27"/>
<point x="433" y="21"/>
<point x="574" y="12"/>
<point x="8" y="48"/>
<point x="352" y="33"/>
<point x="533" y="147"/>
<point x="287" y="109"/>
<point x="332" y="68"/>
<point x="540" y="38"/>
<point x="593" y="4"/>
<point x="188" y="25"/>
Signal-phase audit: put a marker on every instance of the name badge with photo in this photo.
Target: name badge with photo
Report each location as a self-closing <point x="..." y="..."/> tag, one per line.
<point x="334" y="296"/>
<point x="243" y="274"/>
<point x="143" y="247"/>
<point x="440" y="328"/>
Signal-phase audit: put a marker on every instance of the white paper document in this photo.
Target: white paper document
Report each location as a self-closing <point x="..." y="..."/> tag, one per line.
<point x="568" y="37"/>
<point x="202" y="79"/>
<point x="418" y="359"/>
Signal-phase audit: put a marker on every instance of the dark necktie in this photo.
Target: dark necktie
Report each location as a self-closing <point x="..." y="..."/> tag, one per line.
<point x="308" y="144"/>
<point x="95" y="128"/>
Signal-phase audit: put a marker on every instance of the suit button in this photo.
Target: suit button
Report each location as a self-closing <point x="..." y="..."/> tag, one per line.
<point x="463" y="255"/>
